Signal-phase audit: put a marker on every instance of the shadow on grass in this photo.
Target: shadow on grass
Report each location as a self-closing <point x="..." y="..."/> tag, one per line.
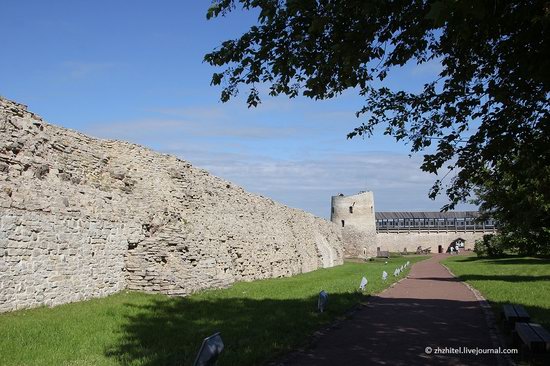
<point x="508" y="260"/>
<point x="542" y="314"/>
<point x="388" y="330"/>
<point x="520" y="260"/>
<point x="475" y="277"/>
<point x="170" y="331"/>
<point x="538" y="315"/>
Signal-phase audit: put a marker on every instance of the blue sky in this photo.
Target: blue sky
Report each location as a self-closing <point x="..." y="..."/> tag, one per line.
<point x="133" y="70"/>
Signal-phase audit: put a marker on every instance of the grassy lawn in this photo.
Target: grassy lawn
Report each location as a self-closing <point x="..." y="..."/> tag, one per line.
<point x="516" y="280"/>
<point x="258" y="320"/>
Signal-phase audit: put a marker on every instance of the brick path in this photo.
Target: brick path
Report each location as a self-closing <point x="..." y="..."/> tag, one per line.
<point x="430" y="308"/>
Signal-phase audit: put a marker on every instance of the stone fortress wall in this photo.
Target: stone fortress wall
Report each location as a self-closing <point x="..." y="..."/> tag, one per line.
<point x="82" y="218"/>
<point x="409" y="241"/>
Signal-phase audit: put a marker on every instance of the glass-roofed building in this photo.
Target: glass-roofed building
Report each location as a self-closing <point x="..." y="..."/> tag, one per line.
<point x="432" y="221"/>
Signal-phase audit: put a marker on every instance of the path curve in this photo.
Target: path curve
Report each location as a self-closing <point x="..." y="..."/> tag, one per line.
<point x="429" y="308"/>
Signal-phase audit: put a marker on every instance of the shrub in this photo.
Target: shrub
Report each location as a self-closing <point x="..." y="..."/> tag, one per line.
<point x="490" y="246"/>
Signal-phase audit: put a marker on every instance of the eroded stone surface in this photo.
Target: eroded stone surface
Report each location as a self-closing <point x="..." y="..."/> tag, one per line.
<point x="82" y="217"/>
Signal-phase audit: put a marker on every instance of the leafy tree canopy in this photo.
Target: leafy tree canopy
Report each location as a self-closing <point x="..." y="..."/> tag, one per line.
<point x="487" y="111"/>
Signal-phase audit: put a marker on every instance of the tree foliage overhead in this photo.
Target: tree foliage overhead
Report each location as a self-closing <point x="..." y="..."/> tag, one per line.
<point x="486" y="111"/>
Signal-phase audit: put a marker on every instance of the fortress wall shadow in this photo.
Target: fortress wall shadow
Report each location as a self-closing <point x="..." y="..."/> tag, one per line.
<point x="257" y="331"/>
<point x="170" y="332"/>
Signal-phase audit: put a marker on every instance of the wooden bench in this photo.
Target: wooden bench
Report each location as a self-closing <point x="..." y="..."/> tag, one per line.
<point x="533" y="336"/>
<point x="515" y="313"/>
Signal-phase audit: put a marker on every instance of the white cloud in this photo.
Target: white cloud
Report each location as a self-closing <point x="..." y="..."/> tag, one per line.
<point x="150" y="128"/>
<point x="274" y="160"/>
<point x="396" y="180"/>
<point x="194" y="112"/>
<point x="80" y="69"/>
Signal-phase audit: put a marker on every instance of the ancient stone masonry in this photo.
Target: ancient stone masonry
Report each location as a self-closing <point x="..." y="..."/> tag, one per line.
<point x="399" y="242"/>
<point x="82" y="217"/>
<point x="355" y="215"/>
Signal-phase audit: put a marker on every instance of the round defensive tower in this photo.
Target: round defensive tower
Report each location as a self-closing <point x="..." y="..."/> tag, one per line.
<point x="356" y="210"/>
<point x="355" y="215"/>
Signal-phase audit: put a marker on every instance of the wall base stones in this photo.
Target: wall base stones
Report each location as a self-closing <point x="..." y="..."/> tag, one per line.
<point x="359" y="242"/>
<point x="49" y="260"/>
<point x="82" y="217"/>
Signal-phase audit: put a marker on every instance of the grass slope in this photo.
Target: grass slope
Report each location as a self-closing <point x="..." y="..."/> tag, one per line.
<point x="258" y="321"/>
<point x="516" y="280"/>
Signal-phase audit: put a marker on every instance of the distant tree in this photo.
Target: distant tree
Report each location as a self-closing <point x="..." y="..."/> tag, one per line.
<point x="487" y="113"/>
<point x="521" y="201"/>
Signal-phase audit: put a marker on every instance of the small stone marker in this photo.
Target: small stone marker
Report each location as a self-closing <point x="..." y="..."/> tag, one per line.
<point x="211" y="348"/>
<point x="323" y="301"/>
<point x="408" y="263"/>
<point x="384" y="275"/>
<point x="396" y="272"/>
<point x="401" y="269"/>
<point x="363" y="284"/>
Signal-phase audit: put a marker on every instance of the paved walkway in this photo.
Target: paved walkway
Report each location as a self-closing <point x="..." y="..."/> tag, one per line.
<point x="430" y="308"/>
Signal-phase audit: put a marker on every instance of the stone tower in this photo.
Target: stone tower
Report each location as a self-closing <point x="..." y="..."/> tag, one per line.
<point x="355" y="215"/>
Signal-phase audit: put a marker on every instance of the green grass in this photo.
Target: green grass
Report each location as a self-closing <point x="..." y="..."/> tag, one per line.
<point x="515" y="280"/>
<point x="259" y="320"/>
